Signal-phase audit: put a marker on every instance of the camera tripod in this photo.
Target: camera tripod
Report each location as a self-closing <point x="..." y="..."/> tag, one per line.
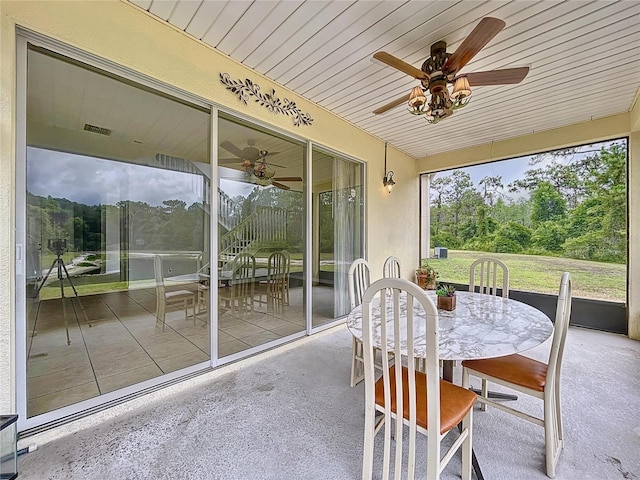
<point x="61" y="268"/>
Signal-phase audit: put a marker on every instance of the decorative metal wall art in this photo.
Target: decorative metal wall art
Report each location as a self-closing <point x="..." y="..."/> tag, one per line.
<point x="269" y="100"/>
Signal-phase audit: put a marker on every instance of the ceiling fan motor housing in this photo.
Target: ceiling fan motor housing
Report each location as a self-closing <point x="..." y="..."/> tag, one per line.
<point x="433" y="64"/>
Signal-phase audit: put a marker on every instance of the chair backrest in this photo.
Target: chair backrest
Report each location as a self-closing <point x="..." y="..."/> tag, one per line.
<point x="243" y="274"/>
<point x="359" y="279"/>
<point x="561" y="325"/>
<point x="485" y="274"/>
<point x="277" y="266"/>
<point x="391" y="268"/>
<point x="384" y="317"/>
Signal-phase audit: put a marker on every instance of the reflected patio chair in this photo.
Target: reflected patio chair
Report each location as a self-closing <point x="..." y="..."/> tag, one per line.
<point x="391" y="268"/>
<point x="166" y="298"/>
<point x="490" y="275"/>
<point x="427" y="404"/>
<point x="275" y="287"/>
<point x="532" y="377"/>
<point x="239" y="293"/>
<point x="286" y="277"/>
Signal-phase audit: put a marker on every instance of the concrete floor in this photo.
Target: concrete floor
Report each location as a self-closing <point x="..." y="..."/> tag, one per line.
<point x="290" y="414"/>
<point x="114" y="340"/>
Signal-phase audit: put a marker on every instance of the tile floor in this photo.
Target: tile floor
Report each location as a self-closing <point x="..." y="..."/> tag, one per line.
<point x="81" y="347"/>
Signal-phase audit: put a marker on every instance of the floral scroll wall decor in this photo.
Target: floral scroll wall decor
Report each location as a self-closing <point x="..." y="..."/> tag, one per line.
<point x="246" y="89"/>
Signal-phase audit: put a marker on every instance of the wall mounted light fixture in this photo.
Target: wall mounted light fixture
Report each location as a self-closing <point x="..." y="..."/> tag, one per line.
<point x="387" y="181"/>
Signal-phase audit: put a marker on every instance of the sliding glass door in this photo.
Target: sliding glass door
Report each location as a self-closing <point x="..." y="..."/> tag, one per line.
<point x="116" y="225"/>
<point x="114" y="216"/>
<point x="338" y="224"/>
<point x="261" y="220"/>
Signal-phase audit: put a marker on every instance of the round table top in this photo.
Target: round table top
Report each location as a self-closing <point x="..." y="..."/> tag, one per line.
<point x="481" y="326"/>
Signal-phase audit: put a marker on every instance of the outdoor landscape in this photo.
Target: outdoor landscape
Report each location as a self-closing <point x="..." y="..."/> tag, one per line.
<point x="595" y="280"/>
<point x="566" y="212"/>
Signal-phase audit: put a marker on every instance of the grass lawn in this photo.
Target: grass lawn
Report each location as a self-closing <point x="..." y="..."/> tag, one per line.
<point x="596" y="280"/>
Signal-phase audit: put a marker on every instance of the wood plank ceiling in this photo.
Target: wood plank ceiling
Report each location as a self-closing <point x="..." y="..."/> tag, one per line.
<point x="584" y="59"/>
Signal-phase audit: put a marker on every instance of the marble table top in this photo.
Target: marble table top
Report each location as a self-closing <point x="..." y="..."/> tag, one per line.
<point x="481" y="326"/>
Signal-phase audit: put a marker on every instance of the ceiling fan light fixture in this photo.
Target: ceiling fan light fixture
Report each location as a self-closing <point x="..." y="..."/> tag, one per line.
<point x="461" y="88"/>
<point x="262" y="171"/>
<point x="417" y="101"/>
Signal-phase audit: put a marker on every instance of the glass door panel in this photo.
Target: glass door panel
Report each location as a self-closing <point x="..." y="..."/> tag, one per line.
<point x="338" y="207"/>
<point x="117" y="216"/>
<point x="260" y="237"/>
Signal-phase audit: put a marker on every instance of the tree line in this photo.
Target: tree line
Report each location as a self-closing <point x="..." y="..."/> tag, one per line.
<point x="573" y="206"/>
<point x="170" y="226"/>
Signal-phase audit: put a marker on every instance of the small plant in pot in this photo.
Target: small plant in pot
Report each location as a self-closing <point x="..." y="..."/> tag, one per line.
<point x="426" y="276"/>
<point x="446" y="297"/>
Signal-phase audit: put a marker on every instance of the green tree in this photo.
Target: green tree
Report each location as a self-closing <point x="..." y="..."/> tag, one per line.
<point x="548" y="204"/>
<point x="549" y="236"/>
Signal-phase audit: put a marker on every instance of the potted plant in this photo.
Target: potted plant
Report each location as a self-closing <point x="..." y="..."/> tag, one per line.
<point x="446" y="297"/>
<point x="426" y="276"/>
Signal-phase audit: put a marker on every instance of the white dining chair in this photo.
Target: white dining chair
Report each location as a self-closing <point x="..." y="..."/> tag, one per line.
<point x="531" y="377"/>
<point x="391" y="268"/>
<point x="358" y="279"/>
<point x="490" y="276"/>
<point x="166" y="297"/>
<point x="404" y="396"/>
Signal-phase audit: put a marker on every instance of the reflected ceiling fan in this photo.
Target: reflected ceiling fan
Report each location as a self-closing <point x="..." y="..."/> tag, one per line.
<point x="442" y="69"/>
<point x="245" y="158"/>
<point x="265" y="174"/>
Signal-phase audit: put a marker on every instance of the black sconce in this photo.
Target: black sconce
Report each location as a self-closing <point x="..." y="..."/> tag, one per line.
<point x="387" y="181"/>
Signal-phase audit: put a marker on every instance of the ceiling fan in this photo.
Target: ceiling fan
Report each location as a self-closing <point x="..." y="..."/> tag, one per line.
<point x="265" y="174"/>
<point x="442" y="69"/>
<point x="244" y="158"/>
<point x="258" y="171"/>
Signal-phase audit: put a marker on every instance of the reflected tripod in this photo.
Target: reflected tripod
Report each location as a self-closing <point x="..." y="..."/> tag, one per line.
<point x="58" y="246"/>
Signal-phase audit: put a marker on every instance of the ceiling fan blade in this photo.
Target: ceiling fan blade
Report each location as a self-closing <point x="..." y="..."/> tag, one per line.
<point x="239" y="179"/>
<point x="231" y="148"/>
<point x="288" y="179"/>
<point x="401" y="65"/>
<point x="497" y="77"/>
<point x="488" y="28"/>
<point x="390" y="105"/>
<point x="280" y="185"/>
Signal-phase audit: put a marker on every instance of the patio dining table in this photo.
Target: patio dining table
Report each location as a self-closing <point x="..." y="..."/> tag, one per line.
<point x="481" y="326"/>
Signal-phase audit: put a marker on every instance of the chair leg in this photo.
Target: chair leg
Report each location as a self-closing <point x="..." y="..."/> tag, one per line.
<point x="485" y="393"/>
<point x="553" y="444"/>
<point x="357" y="366"/>
<point x="369" y="435"/>
<point x="160" y="313"/>
<point x="467" y="424"/>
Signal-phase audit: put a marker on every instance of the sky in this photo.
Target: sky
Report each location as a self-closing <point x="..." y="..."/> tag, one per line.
<point x="93" y="181"/>
<point x="513" y="169"/>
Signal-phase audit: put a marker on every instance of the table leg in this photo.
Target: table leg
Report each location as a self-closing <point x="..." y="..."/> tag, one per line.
<point x="447" y="374"/>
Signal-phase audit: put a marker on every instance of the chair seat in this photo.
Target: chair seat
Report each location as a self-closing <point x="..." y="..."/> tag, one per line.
<point x="178" y="294"/>
<point x="517" y="369"/>
<point x="455" y="402"/>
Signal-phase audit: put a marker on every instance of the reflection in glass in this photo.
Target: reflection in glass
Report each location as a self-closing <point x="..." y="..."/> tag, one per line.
<point x="117" y="217"/>
<point x="337" y="229"/>
<point x="261" y="237"/>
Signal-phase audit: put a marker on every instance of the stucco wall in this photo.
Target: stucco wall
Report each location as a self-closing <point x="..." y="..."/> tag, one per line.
<point x="626" y="124"/>
<point x="122" y="33"/>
